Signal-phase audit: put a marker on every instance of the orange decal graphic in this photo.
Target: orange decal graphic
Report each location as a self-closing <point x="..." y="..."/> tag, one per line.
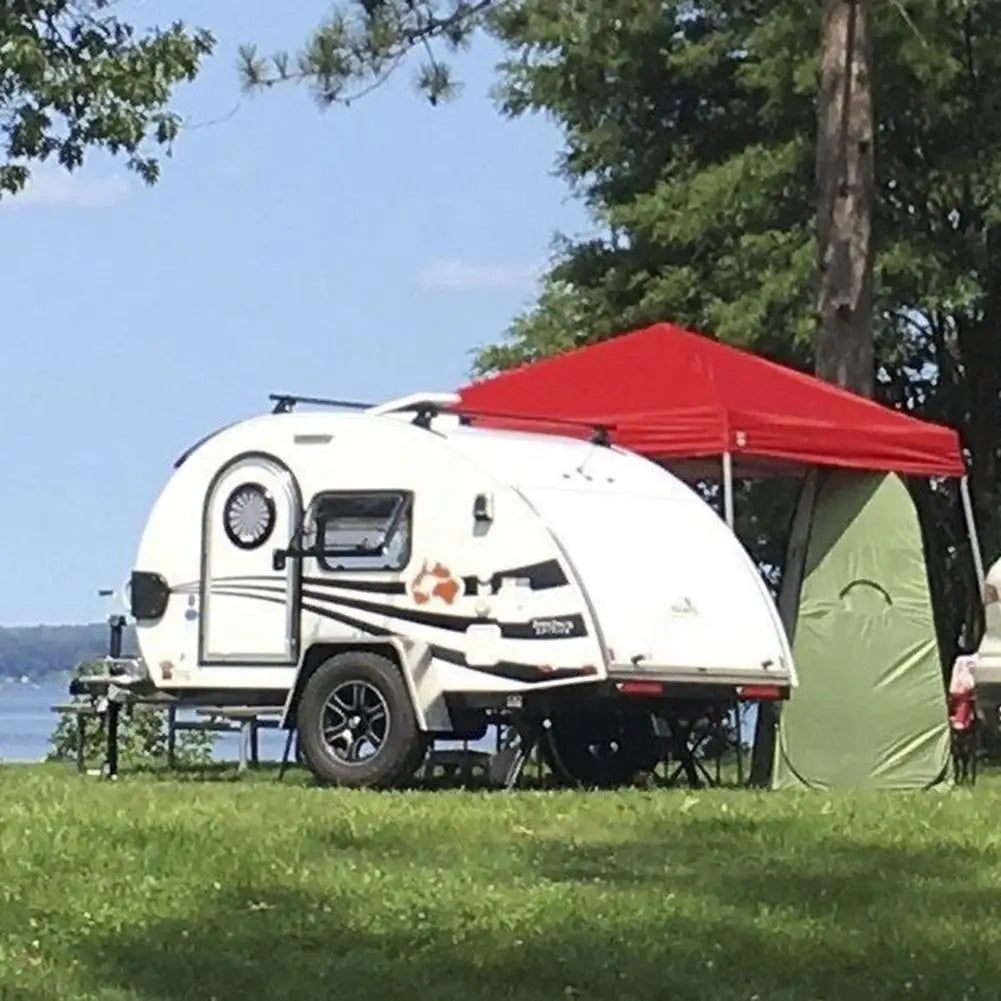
<point x="434" y="582"/>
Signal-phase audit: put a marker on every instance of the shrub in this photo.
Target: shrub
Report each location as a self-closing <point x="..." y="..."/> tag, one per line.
<point x="142" y="737"/>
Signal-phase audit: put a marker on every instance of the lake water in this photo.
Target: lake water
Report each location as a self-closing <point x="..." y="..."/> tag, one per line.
<point x="27" y="722"/>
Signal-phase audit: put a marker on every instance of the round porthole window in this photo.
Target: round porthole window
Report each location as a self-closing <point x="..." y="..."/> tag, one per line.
<point x="249" y="516"/>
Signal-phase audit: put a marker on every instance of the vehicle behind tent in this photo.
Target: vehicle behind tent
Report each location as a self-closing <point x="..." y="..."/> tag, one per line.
<point x="987" y="663"/>
<point x="392" y="577"/>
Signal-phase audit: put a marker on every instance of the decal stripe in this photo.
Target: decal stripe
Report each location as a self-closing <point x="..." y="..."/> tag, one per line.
<point x="455" y="623"/>
<point x="541" y="577"/>
<point x="273" y="599"/>
<point x="507" y="668"/>
<point x="372" y="586"/>
<point x="543" y="628"/>
<point x="510" y="670"/>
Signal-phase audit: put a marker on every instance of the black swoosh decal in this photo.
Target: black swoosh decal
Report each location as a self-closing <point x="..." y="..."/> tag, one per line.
<point x="541" y="577"/>
<point x="510" y="670"/>
<point x="273" y="599"/>
<point x="550" y="627"/>
<point x="371" y="586"/>
<point x="368" y="586"/>
<point x="507" y="668"/>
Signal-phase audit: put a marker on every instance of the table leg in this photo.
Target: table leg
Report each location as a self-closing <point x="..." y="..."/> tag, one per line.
<point x="81" y="738"/>
<point x="171" y="737"/>
<point x="244" y="745"/>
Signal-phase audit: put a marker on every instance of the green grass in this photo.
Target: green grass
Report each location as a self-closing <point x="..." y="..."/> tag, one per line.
<point x="169" y="889"/>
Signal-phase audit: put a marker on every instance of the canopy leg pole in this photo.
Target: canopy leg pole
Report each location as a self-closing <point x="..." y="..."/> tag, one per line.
<point x="971" y="530"/>
<point x="728" y="489"/>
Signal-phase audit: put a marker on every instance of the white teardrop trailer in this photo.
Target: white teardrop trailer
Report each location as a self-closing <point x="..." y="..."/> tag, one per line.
<point x="393" y="576"/>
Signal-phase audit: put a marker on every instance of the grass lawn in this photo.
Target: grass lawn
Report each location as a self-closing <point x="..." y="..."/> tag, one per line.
<point x="158" y="888"/>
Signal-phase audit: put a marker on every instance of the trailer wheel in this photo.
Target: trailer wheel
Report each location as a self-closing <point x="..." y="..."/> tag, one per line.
<point x="600" y="749"/>
<point x="356" y="724"/>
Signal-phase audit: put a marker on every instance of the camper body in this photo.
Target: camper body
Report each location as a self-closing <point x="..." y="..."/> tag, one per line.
<point x="392" y="579"/>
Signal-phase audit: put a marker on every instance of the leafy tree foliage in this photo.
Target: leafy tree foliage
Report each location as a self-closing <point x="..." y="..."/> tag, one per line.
<point x="690" y="133"/>
<point x="74" y="76"/>
<point x="691" y="136"/>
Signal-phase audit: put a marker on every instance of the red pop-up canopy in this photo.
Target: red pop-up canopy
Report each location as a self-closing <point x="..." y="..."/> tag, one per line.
<point x="671" y="394"/>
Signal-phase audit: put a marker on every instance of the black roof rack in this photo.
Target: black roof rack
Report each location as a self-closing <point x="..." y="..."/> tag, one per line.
<point x="600" y="431"/>
<point x="285" y="402"/>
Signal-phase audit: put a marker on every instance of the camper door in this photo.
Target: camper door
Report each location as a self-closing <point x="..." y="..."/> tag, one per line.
<point x="249" y="611"/>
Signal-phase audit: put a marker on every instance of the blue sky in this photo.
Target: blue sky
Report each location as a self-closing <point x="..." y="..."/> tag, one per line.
<point x="360" y="252"/>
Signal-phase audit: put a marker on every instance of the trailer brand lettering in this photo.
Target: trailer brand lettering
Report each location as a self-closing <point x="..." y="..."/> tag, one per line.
<point x="553" y="627"/>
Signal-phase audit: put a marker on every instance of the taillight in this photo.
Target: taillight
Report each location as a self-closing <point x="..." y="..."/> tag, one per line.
<point x="759" y="692"/>
<point x="640" y="687"/>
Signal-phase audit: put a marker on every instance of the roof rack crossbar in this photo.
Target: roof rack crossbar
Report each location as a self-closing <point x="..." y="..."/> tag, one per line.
<point x="600" y="429"/>
<point x="285" y="402"/>
<point x="427" y="406"/>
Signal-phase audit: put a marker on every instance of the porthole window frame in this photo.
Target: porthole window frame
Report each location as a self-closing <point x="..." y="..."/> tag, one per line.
<point x="269" y="503"/>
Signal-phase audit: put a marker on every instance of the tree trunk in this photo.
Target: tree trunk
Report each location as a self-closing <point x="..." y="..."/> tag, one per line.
<point x="843" y="349"/>
<point x="843" y="345"/>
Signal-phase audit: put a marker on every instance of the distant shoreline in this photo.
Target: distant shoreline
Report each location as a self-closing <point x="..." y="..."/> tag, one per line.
<point x="45" y="654"/>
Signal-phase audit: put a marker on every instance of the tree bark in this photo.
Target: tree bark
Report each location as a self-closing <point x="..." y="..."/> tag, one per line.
<point x="843" y="343"/>
<point x="843" y="348"/>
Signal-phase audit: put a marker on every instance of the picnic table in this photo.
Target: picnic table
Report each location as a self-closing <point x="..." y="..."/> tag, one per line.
<point x="247" y="721"/>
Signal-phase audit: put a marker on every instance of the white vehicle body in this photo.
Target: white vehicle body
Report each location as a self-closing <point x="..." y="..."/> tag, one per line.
<point x="987" y="669"/>
<point x="514" y="564"/>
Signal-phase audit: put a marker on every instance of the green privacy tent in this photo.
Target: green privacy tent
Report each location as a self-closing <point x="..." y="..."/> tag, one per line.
<point x="870" y="711"/>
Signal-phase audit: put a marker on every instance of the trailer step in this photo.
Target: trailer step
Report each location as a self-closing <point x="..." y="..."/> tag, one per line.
<point x="506" y="765"/>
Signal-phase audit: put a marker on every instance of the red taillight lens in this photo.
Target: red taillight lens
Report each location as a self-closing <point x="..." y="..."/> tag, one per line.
<point x="640" y="687"/>
<point x="759" y="692"/>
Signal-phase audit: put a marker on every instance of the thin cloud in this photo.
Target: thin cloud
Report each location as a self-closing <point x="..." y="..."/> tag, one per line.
<point x="460" y="276"/>
<point x="55" y="187"/>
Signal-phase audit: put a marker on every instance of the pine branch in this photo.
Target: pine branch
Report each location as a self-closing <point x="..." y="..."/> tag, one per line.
<point x="359" y="47"/>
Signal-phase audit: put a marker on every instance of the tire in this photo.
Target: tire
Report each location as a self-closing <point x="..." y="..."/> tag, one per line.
<point x="602" y="749"/>
<point x="359" y="698"/>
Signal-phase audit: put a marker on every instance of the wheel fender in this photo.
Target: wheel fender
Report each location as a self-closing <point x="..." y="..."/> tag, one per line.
<point x="391" y="648"/>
